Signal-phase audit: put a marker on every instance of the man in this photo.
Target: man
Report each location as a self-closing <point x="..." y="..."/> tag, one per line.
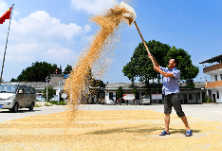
<point x="171" y="91"/>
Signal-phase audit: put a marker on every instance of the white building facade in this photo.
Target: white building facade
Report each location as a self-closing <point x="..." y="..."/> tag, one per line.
<point x="215" y="72"/>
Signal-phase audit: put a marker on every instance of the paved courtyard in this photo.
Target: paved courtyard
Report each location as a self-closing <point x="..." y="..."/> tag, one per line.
<point x="110" y="127"/>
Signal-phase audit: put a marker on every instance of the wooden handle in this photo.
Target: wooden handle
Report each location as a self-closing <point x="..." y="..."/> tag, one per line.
<point x="143" y="41"/>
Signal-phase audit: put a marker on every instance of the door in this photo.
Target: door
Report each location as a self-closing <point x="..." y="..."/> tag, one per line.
<point x="203" y="96"/>
<point x="214" y="97"/>
<point x="27" y="96"/>
<point x="20" y="98"/>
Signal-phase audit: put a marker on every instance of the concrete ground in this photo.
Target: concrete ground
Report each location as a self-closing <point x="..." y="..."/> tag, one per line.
<point x="202" y="111"/>
<point x="6" y="115"/>
<point x="110" y="127"/>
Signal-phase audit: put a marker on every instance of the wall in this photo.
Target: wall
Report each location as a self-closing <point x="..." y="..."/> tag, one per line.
<point x="220" y="95"/>
<point x="212" y="76"/>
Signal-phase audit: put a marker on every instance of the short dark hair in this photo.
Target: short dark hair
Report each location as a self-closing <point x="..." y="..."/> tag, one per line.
<point x="176" y="61"/>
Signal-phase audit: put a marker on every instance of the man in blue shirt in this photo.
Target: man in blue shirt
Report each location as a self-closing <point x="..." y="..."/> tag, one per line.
<point x="171" y="92"/>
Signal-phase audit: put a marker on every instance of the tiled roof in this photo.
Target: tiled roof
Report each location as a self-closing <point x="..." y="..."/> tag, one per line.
<point x="142" y="85"/>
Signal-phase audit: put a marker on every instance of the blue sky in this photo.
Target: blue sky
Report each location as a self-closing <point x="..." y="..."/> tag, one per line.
<point x="58" y="31"/>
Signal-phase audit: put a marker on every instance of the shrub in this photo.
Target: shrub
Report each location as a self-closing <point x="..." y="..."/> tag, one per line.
<point x="37" y="105"/>
<point x="48" y="104"/>
<point x="56" y="103"/>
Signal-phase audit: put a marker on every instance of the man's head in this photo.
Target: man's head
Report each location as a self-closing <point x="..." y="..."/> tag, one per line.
<point x="173" y="63"/>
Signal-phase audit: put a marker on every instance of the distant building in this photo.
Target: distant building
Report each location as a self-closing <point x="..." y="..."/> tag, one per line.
<point x="214" y="69"/>
<point x="191" y="96"/>
<point x="108" y="94"/>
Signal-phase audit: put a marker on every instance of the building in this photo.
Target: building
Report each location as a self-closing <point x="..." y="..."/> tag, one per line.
<point x="191" y="96"/>
<point x="213" y="67"/>
<point x="107" y="94"/>
<point x="55" y="80"/>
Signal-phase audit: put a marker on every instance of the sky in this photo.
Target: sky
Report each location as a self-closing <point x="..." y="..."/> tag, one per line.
<point x="58" y="31"/>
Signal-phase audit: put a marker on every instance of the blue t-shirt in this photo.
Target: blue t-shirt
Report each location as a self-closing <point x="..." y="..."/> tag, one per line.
<point x="170" y="84"/>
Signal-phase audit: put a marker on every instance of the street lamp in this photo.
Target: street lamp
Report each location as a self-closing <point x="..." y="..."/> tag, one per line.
<point x="206" y="85"/>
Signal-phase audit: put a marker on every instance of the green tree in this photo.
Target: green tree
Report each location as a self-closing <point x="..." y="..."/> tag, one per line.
<point x="96" y="86"/>
<point x="119" y="93"/>
<point x="51" y="92"/>
<point x="135" y="91"/>
<point x="13" y="80"/>
<point x="68" y="68"/>
<point x="141" y="66"/>
<point x="38" y="72"/>
<point x="188" y="71"/>
<point x="130" y="71"/>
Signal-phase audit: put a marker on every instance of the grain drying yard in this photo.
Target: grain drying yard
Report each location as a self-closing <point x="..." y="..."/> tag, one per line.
<point x="111" y="128"/>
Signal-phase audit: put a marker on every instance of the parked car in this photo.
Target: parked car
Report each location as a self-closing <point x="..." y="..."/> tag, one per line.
<point x="15" y="96"/>
<point x="145" y="99"/>
<point x="40" y="98"/>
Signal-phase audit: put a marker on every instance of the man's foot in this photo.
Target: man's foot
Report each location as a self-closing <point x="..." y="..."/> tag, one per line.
<point x="163" y="133"/>
<point x="188" y="133"/>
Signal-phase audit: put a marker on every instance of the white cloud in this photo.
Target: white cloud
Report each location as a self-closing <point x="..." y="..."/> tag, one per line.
<point x="39" y="37"/>
<point x="3" y="7"/>
<point x="93" y="6"/>
<point x="41" y="25"/>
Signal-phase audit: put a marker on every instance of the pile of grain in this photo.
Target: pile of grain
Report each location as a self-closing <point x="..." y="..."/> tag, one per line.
<point x="108" y="130"/>
<point x="76" y="85"/>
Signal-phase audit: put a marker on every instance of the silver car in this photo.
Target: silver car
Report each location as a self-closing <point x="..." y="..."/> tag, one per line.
<point x="15" y="96"/>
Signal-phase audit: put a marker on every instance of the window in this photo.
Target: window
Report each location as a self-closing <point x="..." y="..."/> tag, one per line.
<point x="215" y="77"/>
<point x="26" y="90"/>
<point x="199" y="96"/>
<point x="8" y="88"/>
<point x="217" y="95"/>
<point x="21" y="88"/>
<point x="32" y="90"/>
<point x="221" y="77"/>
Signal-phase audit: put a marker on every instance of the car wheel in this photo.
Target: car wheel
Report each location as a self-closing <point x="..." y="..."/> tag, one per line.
<point x="15" y="108"/>
<point x="31" y="107"/>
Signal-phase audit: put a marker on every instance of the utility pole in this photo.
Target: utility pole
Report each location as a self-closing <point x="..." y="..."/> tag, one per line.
<point x="6" y="43"/>
<point x="46" y="79"/>
<point x="59" y="93"/>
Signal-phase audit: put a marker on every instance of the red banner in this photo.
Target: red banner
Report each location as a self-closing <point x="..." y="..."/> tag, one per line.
<point x="5" y="16"/>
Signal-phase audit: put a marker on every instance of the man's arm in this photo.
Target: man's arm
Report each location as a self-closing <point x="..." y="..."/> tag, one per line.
<point x="155" y="63"/>
<point x="157" y="68"/>
<point x="165" y="74"/>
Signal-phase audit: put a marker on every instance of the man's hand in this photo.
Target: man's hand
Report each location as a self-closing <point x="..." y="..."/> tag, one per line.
<point x="150" y="56"/>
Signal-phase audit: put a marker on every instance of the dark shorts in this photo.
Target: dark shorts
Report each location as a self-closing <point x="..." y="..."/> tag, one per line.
<point x="173" y="100"/>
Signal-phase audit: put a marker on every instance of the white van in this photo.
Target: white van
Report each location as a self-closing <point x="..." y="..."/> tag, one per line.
<point x="145" y="99"/>
<point x="15" y="96"/>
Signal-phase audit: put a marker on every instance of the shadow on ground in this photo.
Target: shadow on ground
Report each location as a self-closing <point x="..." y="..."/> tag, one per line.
<point x="19" y="111"/>
<point x="138" y="129"/>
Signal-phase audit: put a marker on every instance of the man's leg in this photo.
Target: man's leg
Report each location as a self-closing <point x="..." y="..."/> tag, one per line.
<point x="177" y="105"/>
<point x="167" y="111"/>
<point x="184" y="119"/>
<point x="167" y="122"/>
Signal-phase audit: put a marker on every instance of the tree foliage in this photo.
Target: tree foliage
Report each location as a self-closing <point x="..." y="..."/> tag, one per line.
<point x="119" y="93"/>
<point x="51" y="92"/>
<point x="37" y="72"/>
<point x="141" y="66"/>
<point x="188" y="71"/>
<point x="135" y="91"/>
<point x="68" y="68"/>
